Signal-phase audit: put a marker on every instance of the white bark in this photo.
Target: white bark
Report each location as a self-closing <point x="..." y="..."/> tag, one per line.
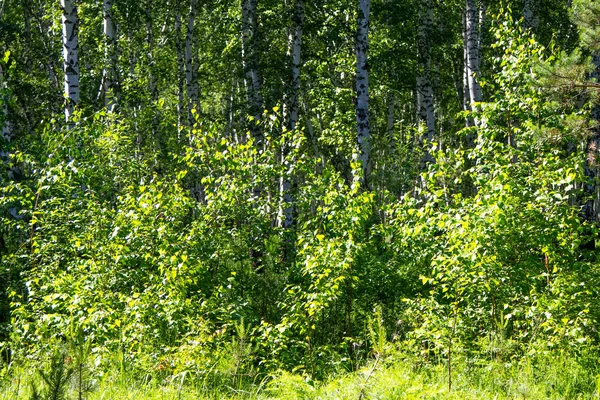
<point x="291" y="108"/>
<point x="294" y="53"/>
<point x="180" y="70"/>
<point x="252" y="79"/>
<point x="362" y="89"/>
<point x="110" y="55"/>
<point x="191" y="65"/>
<point x="424" y="82"/>
<point x="472" y="57"/>
<point x="465" y="81"/>
<point x="70" y="23"/>
<point x="152" y="85"/>
<point x="229" y="109"/>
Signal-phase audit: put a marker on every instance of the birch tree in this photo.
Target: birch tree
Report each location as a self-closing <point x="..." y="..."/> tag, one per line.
<point x="191" y="62"/>
<point x="152" y="85"/>
<point x="291" y="105"/>
<point x="110" y="56"/>
<point x="362" y="89"/>
<point x="70" y="24"/>
<point x="252" y="79"/>
<point x="180" y="70"/>
<point x="472" y="59"/>
<point x="425" y="105"/>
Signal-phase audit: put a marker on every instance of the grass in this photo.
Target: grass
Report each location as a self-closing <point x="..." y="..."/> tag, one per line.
<point x="549" y="377"/>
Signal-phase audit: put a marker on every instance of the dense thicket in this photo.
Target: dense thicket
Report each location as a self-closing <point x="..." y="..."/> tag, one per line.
<point x="203" y="185"/>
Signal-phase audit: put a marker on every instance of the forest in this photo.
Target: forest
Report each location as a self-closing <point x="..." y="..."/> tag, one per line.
<point x="293" y="199"/>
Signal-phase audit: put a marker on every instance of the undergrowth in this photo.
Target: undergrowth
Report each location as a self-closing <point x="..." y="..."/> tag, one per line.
<point x="395" y="376"/>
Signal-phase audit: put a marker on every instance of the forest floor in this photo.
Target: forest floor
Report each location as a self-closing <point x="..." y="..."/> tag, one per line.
<point x="559" y="378"/>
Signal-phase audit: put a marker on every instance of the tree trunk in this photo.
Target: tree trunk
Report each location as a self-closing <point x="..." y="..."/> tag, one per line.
<point x="252" y="79"/>
<point x="152" y="85"/>
<point x="294" y="52"/>
<point x="425" y="104"/>
<point x="180" y="71"/>
<point x="70" y="22"/>
<point x="229" y="108"/>
<point x="191" y="65"/>
<point x="466" y="100"/>
<point x="110" y="55"/>
<point x="473" y="59"/>
<point x="362" y="89"/>
<point x="291" y="108"/>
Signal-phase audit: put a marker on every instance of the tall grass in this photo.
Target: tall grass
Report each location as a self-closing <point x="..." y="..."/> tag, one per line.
<point x="555" y="376"/>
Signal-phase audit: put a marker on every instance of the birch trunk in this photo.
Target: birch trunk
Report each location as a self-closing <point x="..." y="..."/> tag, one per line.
<point x="362" y="89"/>
<point x="425" y="104"/>
<point x="191" y="79"/>
<point x="180" y="71"/>
<point x="70" y="23"/>
<point x="472" y="54"/>
<point x="152" y="85"/>
<point x="291" y="108"/>
<point x="110" y="55"/>
<point x="229" y="110"/>
<point x="252" y="79"/>
<point x="466" y="101"/>
<point x="294" y="53"/>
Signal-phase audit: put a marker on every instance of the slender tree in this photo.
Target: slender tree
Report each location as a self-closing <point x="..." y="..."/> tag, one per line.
<point x="150" y="60"/>
<point x="291" y="106"/>
<point x="472" y="59"/>
<point x="70" y="23"/>
<point x="294" y="53"/>
<point x="191" y="78"/>
<point x="425" y="104"/>
<point x="252" y="78"/>
<point x="362" y="89"/>
<point x="180" y="69"/>
<point x="110" y="55"/>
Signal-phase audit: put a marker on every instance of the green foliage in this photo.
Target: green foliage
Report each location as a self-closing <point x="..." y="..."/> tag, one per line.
<point x="150" y="253"/>
<point x="56" y="377"/>
<point x="506" y="264"/>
